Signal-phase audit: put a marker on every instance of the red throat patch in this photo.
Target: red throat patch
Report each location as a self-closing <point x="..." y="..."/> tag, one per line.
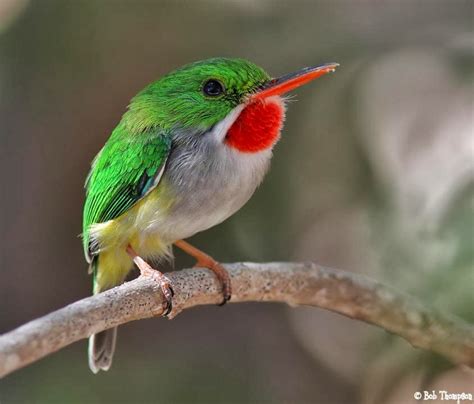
<point x="257" y="128"/>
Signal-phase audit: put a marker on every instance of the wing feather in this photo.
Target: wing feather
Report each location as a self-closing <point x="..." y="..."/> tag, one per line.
<point x="125" y="170"/>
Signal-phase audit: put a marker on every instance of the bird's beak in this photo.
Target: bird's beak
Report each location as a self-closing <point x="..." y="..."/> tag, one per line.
<point x="291" y="81"/>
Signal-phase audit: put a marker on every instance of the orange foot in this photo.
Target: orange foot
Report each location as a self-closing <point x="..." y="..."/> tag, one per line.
<point x="206" y="261"/>
<point x="163" y="281"/>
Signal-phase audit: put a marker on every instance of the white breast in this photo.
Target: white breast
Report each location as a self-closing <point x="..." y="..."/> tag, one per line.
<point x="209" y="182"/>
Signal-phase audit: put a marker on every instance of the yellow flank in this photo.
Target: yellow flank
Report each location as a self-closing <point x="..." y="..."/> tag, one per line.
<point x="114" y="236"/>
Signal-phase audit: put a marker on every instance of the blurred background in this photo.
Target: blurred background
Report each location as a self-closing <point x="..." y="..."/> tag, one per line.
<point x="374" y="174"/>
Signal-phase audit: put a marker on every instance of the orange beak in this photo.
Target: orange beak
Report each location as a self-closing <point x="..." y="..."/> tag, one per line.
<point x="291" y="81"/>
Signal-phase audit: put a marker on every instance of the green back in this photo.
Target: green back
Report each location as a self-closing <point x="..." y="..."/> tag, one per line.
<point x="122" y="173"/>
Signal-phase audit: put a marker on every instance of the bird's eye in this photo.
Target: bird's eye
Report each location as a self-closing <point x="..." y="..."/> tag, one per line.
<point x="213" y="88"/>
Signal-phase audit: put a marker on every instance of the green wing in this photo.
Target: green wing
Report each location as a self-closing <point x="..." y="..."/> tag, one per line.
<point x="124" y="171"/>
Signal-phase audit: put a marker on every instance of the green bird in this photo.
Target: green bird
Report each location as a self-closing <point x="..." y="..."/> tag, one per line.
<point x="188" y="153"/>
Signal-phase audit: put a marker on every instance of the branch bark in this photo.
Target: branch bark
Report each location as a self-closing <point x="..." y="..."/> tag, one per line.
<point x="309" y="284"/>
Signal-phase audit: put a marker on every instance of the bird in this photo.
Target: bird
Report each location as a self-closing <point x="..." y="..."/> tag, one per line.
<point x="189" y="152"/>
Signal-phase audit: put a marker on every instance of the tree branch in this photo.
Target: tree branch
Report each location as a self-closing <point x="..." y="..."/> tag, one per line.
<point x="346" y="293"/>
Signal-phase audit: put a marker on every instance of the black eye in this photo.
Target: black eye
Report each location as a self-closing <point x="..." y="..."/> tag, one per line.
<point x="213" y="88"/>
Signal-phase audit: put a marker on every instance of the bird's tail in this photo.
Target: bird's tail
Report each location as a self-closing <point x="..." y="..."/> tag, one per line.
<point x="110" y="273"/>
<point x="101" y="349"/>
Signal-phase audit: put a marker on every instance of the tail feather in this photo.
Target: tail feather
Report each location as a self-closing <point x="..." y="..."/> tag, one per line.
<point x="102" y="345"/>
<point x="101" y="350"/>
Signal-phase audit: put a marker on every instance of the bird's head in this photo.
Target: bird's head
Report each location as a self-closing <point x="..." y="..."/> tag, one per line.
<point x="235" y="98"/>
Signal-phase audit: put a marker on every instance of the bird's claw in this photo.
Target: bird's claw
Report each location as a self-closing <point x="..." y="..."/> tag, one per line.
<point x="168" y="294"/>
<point x="205" y="261"/>
<point x="222" y="275"/>
<point x="226" y="296"/>
<point x="165" y="285"/>
<point x="147" y="271"/>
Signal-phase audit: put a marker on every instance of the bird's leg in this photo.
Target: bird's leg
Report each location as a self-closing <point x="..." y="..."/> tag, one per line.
<point x="206" y="261"/>
<point x="148" y="271"/>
